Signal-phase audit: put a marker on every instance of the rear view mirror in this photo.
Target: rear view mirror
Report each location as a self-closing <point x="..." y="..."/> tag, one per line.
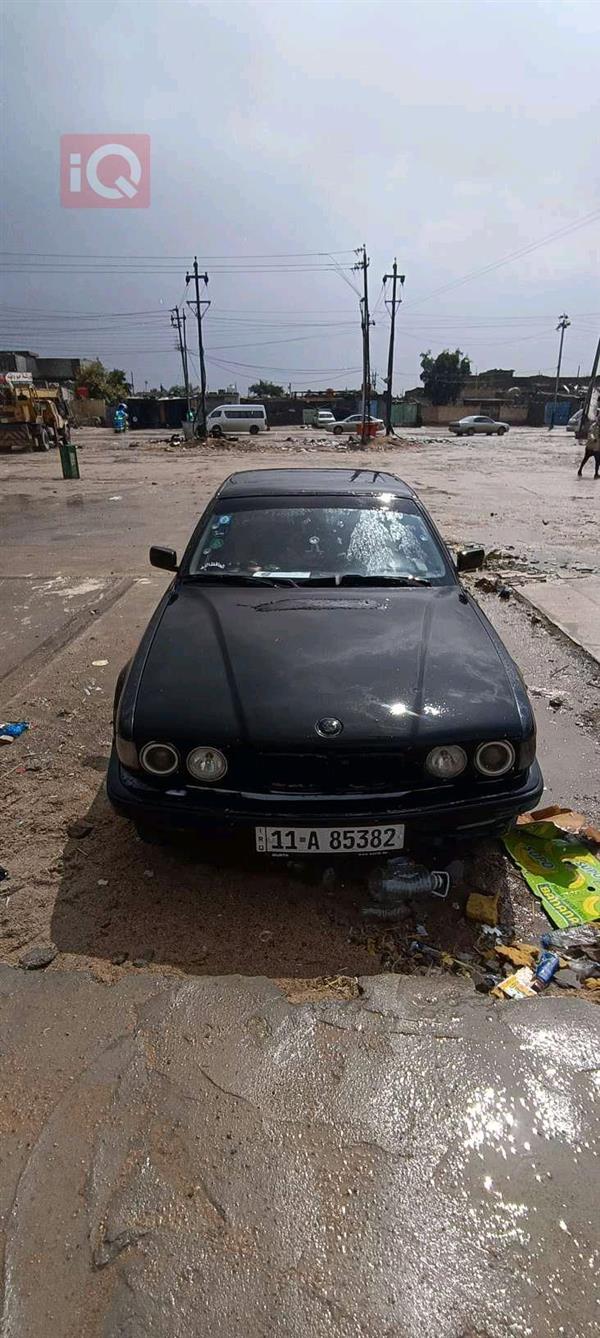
<point x="166" y="558"/>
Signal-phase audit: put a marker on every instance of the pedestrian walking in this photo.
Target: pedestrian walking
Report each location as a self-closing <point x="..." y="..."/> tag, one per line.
<point x="592" y="447"/>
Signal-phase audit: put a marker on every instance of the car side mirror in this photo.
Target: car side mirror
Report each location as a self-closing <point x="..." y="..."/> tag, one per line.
<point x="166" y="558"/>
<point x="470" y="559"/>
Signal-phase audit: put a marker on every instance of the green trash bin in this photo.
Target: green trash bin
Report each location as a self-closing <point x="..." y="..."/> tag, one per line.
<point x="68" y="460"/>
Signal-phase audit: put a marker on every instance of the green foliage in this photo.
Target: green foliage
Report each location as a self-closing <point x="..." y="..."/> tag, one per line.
<point x="444" y="377"/>
<point x="102" y="384"/>
<point x="265" y="389"/>
<point x="178" y="392"/>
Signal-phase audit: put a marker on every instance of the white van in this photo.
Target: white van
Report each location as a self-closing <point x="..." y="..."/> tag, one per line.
<point x="229" y="419"/>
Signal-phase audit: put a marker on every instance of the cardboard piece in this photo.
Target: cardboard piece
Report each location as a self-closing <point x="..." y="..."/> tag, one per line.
<point x="559" y="869"/>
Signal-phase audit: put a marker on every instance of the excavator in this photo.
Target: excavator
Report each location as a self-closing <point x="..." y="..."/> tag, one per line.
<point x="32" y="418"/>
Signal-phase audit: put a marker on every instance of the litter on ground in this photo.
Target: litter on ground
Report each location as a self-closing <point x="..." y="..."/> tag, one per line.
<point x="12" y="729"/>
<point x="559" y="868"/>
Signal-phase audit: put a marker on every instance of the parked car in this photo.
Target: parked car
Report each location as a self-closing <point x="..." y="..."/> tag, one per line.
<point x="323" y="418"/>
<point x="574" y="422"/>
<point x="466" y="427"/>
<point x="231" y="419"/>
<point x="317" y="676"/>
<point x="353" y="424"/>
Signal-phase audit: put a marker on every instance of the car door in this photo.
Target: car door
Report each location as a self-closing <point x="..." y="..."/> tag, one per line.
<point x="482" y="423"/>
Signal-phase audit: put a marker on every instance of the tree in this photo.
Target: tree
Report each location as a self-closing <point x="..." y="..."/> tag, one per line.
<point x="178" y="392"/>
<point x="102" y="384"/>
<point x="265" y="389"/>
<point x="444" y="377"/>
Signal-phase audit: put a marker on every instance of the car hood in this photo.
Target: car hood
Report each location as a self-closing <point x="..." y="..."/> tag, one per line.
<point x="263" y="666"/>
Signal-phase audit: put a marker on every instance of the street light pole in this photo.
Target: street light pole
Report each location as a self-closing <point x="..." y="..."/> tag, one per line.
<point x="563" y="322"/>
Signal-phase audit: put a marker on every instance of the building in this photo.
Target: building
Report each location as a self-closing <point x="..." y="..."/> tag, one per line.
<point x="499" y="393"/>
<point x="62" y="370"/>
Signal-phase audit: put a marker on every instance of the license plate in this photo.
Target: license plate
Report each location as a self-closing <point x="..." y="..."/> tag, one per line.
<point x="328" y="840"/>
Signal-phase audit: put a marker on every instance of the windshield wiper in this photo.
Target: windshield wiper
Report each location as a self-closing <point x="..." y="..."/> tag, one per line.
<point x="358" y="578"/>
<point x="237" y="578"/>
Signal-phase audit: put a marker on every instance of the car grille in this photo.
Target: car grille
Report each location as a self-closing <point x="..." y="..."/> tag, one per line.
<point x="319" y="773"/>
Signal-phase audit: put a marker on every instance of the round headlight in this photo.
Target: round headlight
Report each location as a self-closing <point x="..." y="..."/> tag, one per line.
<point x="207" y="765"/>
<point x="446" y="762"/>
<point x="495" y="759"/>
<point x="159" y="758"/>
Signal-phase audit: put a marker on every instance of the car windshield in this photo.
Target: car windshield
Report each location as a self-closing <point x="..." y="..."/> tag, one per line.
<point x="329" y="540"/>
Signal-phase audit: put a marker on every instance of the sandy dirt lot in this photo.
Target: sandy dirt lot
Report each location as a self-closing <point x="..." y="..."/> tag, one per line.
<point x="76" y="592"/>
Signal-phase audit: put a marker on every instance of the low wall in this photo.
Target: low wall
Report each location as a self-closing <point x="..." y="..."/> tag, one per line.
<point x="84" y="411"/>
<point x="440" y="414"/>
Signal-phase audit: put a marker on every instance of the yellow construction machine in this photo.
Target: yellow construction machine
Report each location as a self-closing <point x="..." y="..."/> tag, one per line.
<point x="32" y="418"/>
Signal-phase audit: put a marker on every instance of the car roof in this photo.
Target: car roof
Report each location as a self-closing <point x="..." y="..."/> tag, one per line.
<point x="311" y="482"/>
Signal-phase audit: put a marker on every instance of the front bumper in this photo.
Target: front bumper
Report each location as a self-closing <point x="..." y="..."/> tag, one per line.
<point x="480" y="813"/>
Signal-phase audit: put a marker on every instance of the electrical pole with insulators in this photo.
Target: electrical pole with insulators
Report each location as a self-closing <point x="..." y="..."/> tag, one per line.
<point x="563" y="323"/>
<point x="198" y="305"/>
<point x="176" y="322"/>
<point x="363" y="264"/>
<point x="391" y="304"/>
<point x="186" y="369"/>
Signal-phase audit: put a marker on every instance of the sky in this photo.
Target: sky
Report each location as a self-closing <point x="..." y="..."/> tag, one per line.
<point x="285" y="134"/>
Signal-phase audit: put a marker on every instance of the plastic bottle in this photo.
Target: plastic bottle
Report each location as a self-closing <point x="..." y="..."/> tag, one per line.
<point x="547" y="966"/>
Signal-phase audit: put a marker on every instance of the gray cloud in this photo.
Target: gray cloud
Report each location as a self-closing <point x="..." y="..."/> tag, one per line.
<point x="447" y="134"/>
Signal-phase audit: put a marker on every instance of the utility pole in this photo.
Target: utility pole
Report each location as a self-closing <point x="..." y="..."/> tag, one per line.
<point x="585" y="416"/>
<point x="186" y="370"/>
<point x="563" y="322"/>
<point x="176" y="321"/>
<point x="363" y="264"/>
<point x="392" y="305"/>
<point x="198" y="305"/>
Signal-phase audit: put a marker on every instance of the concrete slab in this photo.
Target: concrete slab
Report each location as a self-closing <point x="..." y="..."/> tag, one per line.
<point x="207" y="1157"/>
<point x="572" y="605"/>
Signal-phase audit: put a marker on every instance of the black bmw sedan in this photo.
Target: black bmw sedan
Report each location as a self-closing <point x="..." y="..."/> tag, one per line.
<point x="317" y="674"/>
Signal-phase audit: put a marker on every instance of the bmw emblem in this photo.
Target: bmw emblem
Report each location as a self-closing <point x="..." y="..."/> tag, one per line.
<point x="329" y="727"/>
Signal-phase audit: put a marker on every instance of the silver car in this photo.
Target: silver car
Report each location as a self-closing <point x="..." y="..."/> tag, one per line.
<point x="353" y="424"/>
<point x="477" y="422"/>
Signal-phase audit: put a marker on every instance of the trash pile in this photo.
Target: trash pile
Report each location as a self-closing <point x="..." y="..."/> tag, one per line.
<point x="570" y="958"/>
<point x="552" y="850"/>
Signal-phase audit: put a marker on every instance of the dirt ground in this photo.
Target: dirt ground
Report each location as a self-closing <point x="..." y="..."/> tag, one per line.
<point x="75" y="594"/>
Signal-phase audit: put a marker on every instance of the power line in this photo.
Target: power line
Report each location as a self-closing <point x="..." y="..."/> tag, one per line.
<point x="255" y="367"/>
<point x="260" y="255"/>
<point x="565" y="231"/>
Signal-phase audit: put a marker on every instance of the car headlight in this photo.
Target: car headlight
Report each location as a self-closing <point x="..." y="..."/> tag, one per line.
<point x="446" y="762"/>
<point x="160" y="759"/>
<point x="495" y="759"/>
<point x="207" y="765"/>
